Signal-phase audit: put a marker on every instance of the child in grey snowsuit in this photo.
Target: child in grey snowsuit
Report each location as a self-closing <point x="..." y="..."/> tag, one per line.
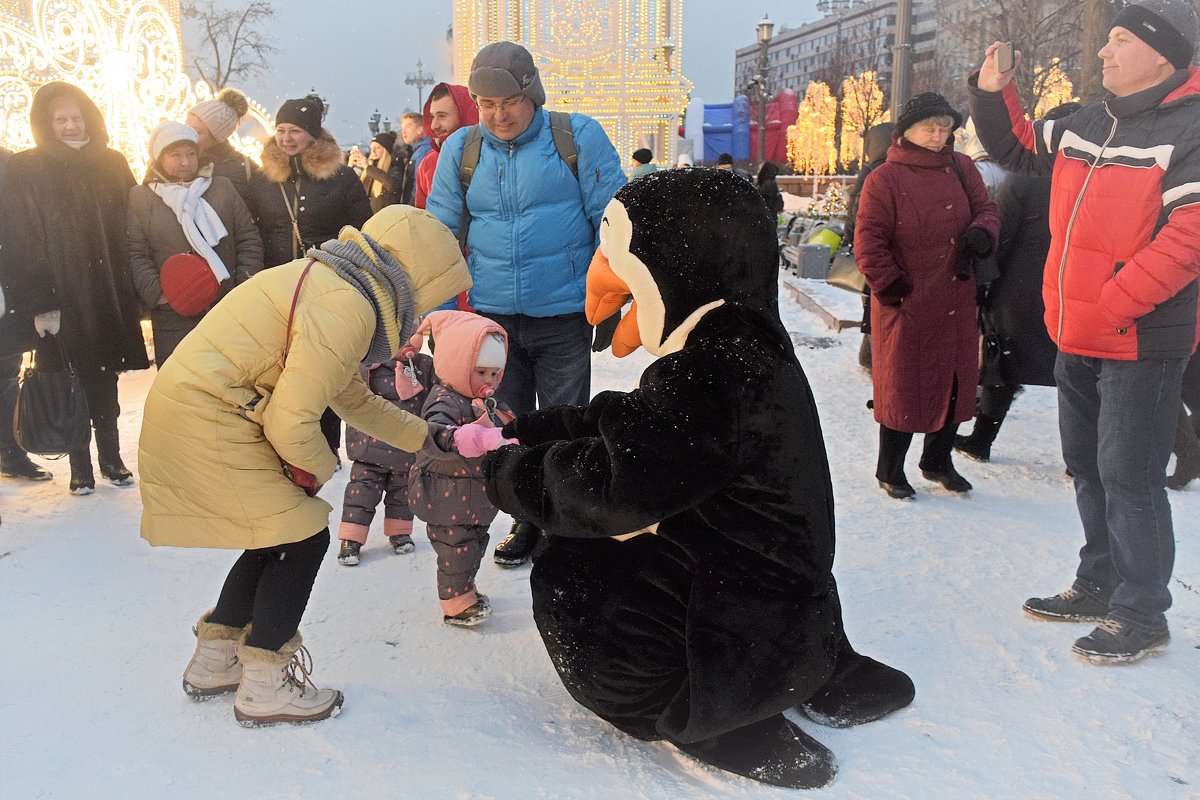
<point x="380" y="471"/>
<point x="446" y="490"/>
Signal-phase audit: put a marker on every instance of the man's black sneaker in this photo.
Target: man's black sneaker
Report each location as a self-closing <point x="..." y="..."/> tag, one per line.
<point x="17" y="465"/>
<point x="948" y="478"/>
<point x="1116" y="641"/>
<point x="1071" y="604"/>
<point x="515" y="548"/>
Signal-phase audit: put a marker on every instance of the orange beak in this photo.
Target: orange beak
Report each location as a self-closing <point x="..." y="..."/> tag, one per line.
<point x="606" y="294"/>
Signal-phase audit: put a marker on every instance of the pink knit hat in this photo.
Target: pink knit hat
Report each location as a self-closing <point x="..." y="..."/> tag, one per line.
<point x="458" y="338"/>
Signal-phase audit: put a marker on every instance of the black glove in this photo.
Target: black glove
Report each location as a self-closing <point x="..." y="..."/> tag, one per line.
<point x="977" y="241"/>
<point x="894" y="293"/>
<point x="604" y="333"/>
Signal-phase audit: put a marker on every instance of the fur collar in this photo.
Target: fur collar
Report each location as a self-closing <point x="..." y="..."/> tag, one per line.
<point x="319" y="162"/>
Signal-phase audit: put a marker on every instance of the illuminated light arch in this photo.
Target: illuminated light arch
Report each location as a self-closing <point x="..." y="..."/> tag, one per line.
<point x="127" y="55"/>
<point x="614" y="60"/>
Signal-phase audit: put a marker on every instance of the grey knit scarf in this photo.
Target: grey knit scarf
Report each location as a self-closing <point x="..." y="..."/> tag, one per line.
<point x="363" y="271"/>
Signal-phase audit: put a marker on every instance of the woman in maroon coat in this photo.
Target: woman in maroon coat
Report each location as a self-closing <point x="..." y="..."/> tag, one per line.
<point x="924" y="218"/>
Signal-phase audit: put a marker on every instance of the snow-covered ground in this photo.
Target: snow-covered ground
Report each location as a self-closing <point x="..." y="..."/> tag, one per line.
<point x="95" y="629"/>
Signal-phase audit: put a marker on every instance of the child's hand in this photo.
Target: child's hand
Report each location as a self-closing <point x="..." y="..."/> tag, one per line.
<point x="473" y="440"/>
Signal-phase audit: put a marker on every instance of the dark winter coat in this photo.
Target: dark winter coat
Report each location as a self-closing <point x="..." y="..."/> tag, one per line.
<point x="1014" y="301"/>
<point x="392" y="181"/>
<point x="1121" y="279"/>
<point x="65" y="247"/>
<point x="772" y="196"/>
<point x="912" y="214"/>
<point x="239" y="169"/>
<point x="445" y="488"/>
<point x="155" y="235"/>
<point x="16" y="323"/>
<point x="383" y="380"/>
<point x="325" y="194"/>
<point x="876" y="142"/>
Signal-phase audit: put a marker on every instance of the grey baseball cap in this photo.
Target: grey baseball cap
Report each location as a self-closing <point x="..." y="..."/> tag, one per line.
<point x="504" y="69"/>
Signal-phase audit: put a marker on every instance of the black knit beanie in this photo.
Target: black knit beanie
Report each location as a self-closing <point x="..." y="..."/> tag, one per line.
<point x="1169" y="26"/>
<point x="386" y="139"/>
<point x="924" y="106"/>
<point x="305" y="113"/>
<point x="643" y="155"/>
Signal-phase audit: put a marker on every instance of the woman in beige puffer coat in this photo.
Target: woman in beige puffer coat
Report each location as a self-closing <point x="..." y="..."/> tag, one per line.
<point x="240" y="398"/>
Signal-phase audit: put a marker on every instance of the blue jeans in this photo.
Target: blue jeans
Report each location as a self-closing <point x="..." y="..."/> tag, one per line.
<point x="549" y="360"/>
<point x="1117" y="422"/>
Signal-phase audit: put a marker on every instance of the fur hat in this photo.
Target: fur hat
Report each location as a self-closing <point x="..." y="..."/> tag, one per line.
<point x="1169" y="26"/>
<point x="643" y="155"/>
<point x="504" y="69"/>
<point x="222" y="114"/>
<point x="386" y="140"/>
<point x="924" y="106"/>
<point x="170" y="132"/>
<point x="306" y="113"/>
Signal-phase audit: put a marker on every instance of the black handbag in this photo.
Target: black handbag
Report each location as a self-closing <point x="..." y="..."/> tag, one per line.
<point x="843" y="272"/>
<point x="993" y="355"/>
<point x="51" y="417"/>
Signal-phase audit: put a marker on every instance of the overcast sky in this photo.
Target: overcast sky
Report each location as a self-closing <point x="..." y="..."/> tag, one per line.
<point x="356" y="53"/>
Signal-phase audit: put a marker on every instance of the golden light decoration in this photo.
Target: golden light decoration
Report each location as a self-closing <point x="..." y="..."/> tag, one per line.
<point x="126" y="55"/>
<point x="613" y="60"/>
<point x="862" y="108"/>
<point x="1055" y="87"/>
<point x="810" y="141"/>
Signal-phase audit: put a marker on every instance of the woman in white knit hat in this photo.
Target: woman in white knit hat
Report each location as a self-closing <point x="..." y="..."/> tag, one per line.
<point x="181" y="207"/>
<point x="214" y="121"/>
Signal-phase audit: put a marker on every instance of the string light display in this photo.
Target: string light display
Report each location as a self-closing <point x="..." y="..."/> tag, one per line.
<point x="862" y="108"/>
<point x="1056" y="87"/>
<point x="614" y="60"/>
<point x="810" y="140"/>
<point x="126" y="55"/>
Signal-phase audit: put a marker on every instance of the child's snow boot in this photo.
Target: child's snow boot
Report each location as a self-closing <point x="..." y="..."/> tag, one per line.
<point x="214" y="668"/>
<point x="348" y="553"/>
<point x="402" y="544"/>
<point x="470" y="616"/>
<point x="275" y="687"/>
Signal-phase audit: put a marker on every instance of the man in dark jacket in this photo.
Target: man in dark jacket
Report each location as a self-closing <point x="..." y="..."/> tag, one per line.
<point x="1121" y="305"/>
<point x="16" y="335"/>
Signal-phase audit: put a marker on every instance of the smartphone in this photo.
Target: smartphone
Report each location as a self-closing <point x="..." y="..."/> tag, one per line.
<point x="1004" y="57"/>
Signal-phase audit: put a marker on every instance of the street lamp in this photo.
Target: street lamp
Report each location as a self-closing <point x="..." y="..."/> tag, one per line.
<point x="419" y="79"/>
<point x="373" y="123"/>
<point x="765" y="28"/>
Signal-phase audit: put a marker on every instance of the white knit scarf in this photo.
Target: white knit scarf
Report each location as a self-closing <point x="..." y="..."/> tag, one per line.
<point x="201" y="225"/>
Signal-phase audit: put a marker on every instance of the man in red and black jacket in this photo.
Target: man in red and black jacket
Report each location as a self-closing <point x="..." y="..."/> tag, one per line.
<point x="1120" y="286"/>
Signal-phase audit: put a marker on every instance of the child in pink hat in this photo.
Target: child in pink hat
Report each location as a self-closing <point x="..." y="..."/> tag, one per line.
<point x="446" y="490"/>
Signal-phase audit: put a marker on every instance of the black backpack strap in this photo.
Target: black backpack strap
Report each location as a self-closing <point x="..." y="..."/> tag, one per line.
<point x="472" y="149"/>
<point x="564" y="140"/>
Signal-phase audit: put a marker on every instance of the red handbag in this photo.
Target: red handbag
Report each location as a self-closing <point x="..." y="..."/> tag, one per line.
<point x="188" y="284"/>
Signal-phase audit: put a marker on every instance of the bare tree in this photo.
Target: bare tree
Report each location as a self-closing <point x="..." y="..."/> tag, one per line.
<point x="228" y="44"/>
<point x="1042" y="30"/>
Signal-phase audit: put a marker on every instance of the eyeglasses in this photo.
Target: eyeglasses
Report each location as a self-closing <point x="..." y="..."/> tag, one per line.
<point x="488" y="107"/>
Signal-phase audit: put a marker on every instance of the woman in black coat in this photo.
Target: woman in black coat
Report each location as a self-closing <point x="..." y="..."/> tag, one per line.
<point x="1013" y="307"/>
<point x="303" y="196"/>
<point x="769" y="188"/>
<point x="65" y="204"/>
<point x="305" y="193"/>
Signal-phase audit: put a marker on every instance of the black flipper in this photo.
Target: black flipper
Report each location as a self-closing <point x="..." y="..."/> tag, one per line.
<point x="773" y="751"/>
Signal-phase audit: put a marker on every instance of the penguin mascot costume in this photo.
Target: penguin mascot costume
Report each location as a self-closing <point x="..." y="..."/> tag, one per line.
<point x="686" y="591"/>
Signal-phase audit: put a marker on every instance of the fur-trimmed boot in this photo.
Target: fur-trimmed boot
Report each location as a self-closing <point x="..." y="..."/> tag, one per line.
<point x="214" y="668"/>
<point x="275" y="687"/>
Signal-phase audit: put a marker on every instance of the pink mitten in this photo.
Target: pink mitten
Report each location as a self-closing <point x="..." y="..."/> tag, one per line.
<point x="473" y="440"/>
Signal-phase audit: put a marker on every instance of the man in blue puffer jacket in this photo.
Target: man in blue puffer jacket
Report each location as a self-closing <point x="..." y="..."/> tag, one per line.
<point x="533" y="226"/>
